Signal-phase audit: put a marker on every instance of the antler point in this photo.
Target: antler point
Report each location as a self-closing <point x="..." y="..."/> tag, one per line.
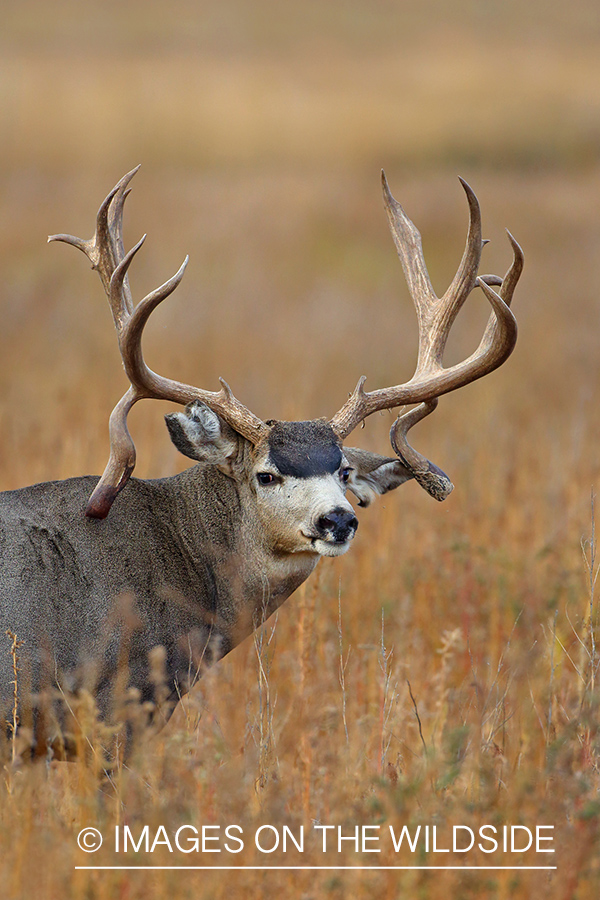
<point x="226" y="389"/>
<point x="389" y="198"/>
<point x="514" y="243"/>
<point x="468" y="190"/>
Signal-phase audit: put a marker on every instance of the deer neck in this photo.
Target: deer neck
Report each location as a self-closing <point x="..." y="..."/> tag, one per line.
<point x="217" y="526"/>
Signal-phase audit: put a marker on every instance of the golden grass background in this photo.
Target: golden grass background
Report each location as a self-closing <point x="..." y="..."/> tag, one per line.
<point x="262" y="128"/>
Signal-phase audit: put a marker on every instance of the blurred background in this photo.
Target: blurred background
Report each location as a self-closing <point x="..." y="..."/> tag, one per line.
<point x="262" y="128"/>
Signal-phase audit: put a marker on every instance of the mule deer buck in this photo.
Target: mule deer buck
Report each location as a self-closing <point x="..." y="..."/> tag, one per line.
<point x="205" y="556"/>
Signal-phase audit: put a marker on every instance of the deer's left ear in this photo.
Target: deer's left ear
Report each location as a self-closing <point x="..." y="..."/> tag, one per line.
<point x="373" y="474"/>
<point x="201" y="434"/>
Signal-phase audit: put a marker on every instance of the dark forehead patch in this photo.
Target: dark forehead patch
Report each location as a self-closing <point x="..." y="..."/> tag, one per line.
<point x="303" y="449"/>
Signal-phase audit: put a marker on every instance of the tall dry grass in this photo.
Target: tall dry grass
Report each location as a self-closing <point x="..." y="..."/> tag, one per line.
<point x="445" y="671"/>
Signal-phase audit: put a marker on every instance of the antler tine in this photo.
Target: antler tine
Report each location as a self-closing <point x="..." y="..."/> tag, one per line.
<point x="118" y="293"/>
<point x="143" y="378"/>
<point x="429" y="476"/>
<point x="506" y="293"/>
<point x="463" y="282"/>
<point x="150" y="385"/>
<point x="121" y="462"/>
<point x="105" y="249"/>
<point x="107" y="255"/>
<point x="509" y="282"/>
<point x="436" y="316"/>
<point x="409" y="248"/>
<point x="109" y="237"/>
<point x="432" y="341"/>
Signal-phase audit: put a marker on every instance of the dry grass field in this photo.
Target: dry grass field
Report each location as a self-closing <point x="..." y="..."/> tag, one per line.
<point x="446" y="671"/>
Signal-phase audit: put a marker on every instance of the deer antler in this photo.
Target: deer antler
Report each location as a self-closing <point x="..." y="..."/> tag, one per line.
<point x="435" y="318"/>
<point x="107" y="255"/>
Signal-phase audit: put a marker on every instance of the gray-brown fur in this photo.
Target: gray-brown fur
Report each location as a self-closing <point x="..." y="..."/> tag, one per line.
<point x="64" y="576"/>
<point x="191" y="563"/>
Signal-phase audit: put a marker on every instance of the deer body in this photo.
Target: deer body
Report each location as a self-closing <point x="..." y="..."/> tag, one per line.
<point x="178" y="564"/>
<point x="194" y="563"/>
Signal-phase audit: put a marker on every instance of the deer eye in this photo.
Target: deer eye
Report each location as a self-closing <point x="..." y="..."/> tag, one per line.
<point x="345" y="474"/>
<point x="266" y="478"/>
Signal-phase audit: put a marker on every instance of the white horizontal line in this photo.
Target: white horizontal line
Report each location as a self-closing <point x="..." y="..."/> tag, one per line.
<point x="312" y="868"/>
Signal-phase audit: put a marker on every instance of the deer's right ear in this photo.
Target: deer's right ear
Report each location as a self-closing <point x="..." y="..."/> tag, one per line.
<point x="373" y="474"/>
<point x="200" y="434"/>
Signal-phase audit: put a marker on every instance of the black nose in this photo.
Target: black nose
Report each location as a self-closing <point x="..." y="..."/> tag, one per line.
<point x="339" y="523"/>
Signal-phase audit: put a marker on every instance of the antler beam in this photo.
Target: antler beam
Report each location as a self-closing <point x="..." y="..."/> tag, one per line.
<point x="107" y="255"/>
